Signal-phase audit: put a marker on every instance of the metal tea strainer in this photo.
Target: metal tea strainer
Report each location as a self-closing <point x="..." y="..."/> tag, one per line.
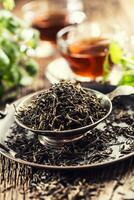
<point x="59" y="138"/>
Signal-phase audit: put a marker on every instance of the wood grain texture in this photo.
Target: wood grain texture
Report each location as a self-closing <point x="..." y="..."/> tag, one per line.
<point x="110" y="183"/>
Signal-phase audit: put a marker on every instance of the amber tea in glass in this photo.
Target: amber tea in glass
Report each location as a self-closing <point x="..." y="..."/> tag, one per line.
<point x="85" y="56"/>
<point x="50" y="16"/>
<point x="50" y="23"/>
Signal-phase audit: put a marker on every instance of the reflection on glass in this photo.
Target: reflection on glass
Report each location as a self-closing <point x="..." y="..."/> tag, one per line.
<point x="50" y="16"/>
<point x="85" y="48"/>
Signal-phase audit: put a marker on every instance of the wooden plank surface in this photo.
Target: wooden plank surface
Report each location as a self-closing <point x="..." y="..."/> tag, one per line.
<point x="111" y="183"/>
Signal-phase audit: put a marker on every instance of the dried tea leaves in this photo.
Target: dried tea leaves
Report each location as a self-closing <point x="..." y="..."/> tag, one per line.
<point x="64" y="106"/>
<point x="112" y="139"/>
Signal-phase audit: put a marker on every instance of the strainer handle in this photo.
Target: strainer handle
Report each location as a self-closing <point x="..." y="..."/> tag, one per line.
<point x="121" y="90"/>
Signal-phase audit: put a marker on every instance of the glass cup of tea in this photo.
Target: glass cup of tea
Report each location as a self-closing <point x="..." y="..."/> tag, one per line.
<point x="85" y="47"/>
<point x="48" y="17"/>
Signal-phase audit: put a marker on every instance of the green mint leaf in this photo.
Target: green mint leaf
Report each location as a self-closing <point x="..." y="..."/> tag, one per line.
<point x="115" y="52"/>
<point x="4" y="60"/>
<point x="127" y="78"/>
<point x="127" y="62"/>
<point x="31" y="67"/>
<point x="106" y="68"/>
<point x="8" y="4"/>
<point x="11" y="48"/>
<point x="9" y="22"/>
<point x="16" y="67"/>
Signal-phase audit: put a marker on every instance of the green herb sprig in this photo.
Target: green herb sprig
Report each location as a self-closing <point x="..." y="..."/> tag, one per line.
<point x="118" y="56"/>
<point x="16" y="40"/>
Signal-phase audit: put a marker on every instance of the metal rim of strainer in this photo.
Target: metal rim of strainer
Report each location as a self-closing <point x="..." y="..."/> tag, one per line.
<point x="66" y="133"/>
<point x="55" y="167"/>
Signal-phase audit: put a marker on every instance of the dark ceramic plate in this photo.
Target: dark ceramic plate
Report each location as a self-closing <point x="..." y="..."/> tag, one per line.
<point x="120" y="143"/>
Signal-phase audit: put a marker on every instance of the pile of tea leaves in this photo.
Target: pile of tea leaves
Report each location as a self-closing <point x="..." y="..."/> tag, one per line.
<point x="110" y="140"/>
<point x="64" y="106"/>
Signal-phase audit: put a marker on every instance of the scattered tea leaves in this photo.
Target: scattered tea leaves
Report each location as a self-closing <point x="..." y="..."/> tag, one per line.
<point x="109" y="140"/>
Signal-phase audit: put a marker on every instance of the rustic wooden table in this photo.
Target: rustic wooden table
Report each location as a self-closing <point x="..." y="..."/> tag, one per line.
<point x="114" y="182"/>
